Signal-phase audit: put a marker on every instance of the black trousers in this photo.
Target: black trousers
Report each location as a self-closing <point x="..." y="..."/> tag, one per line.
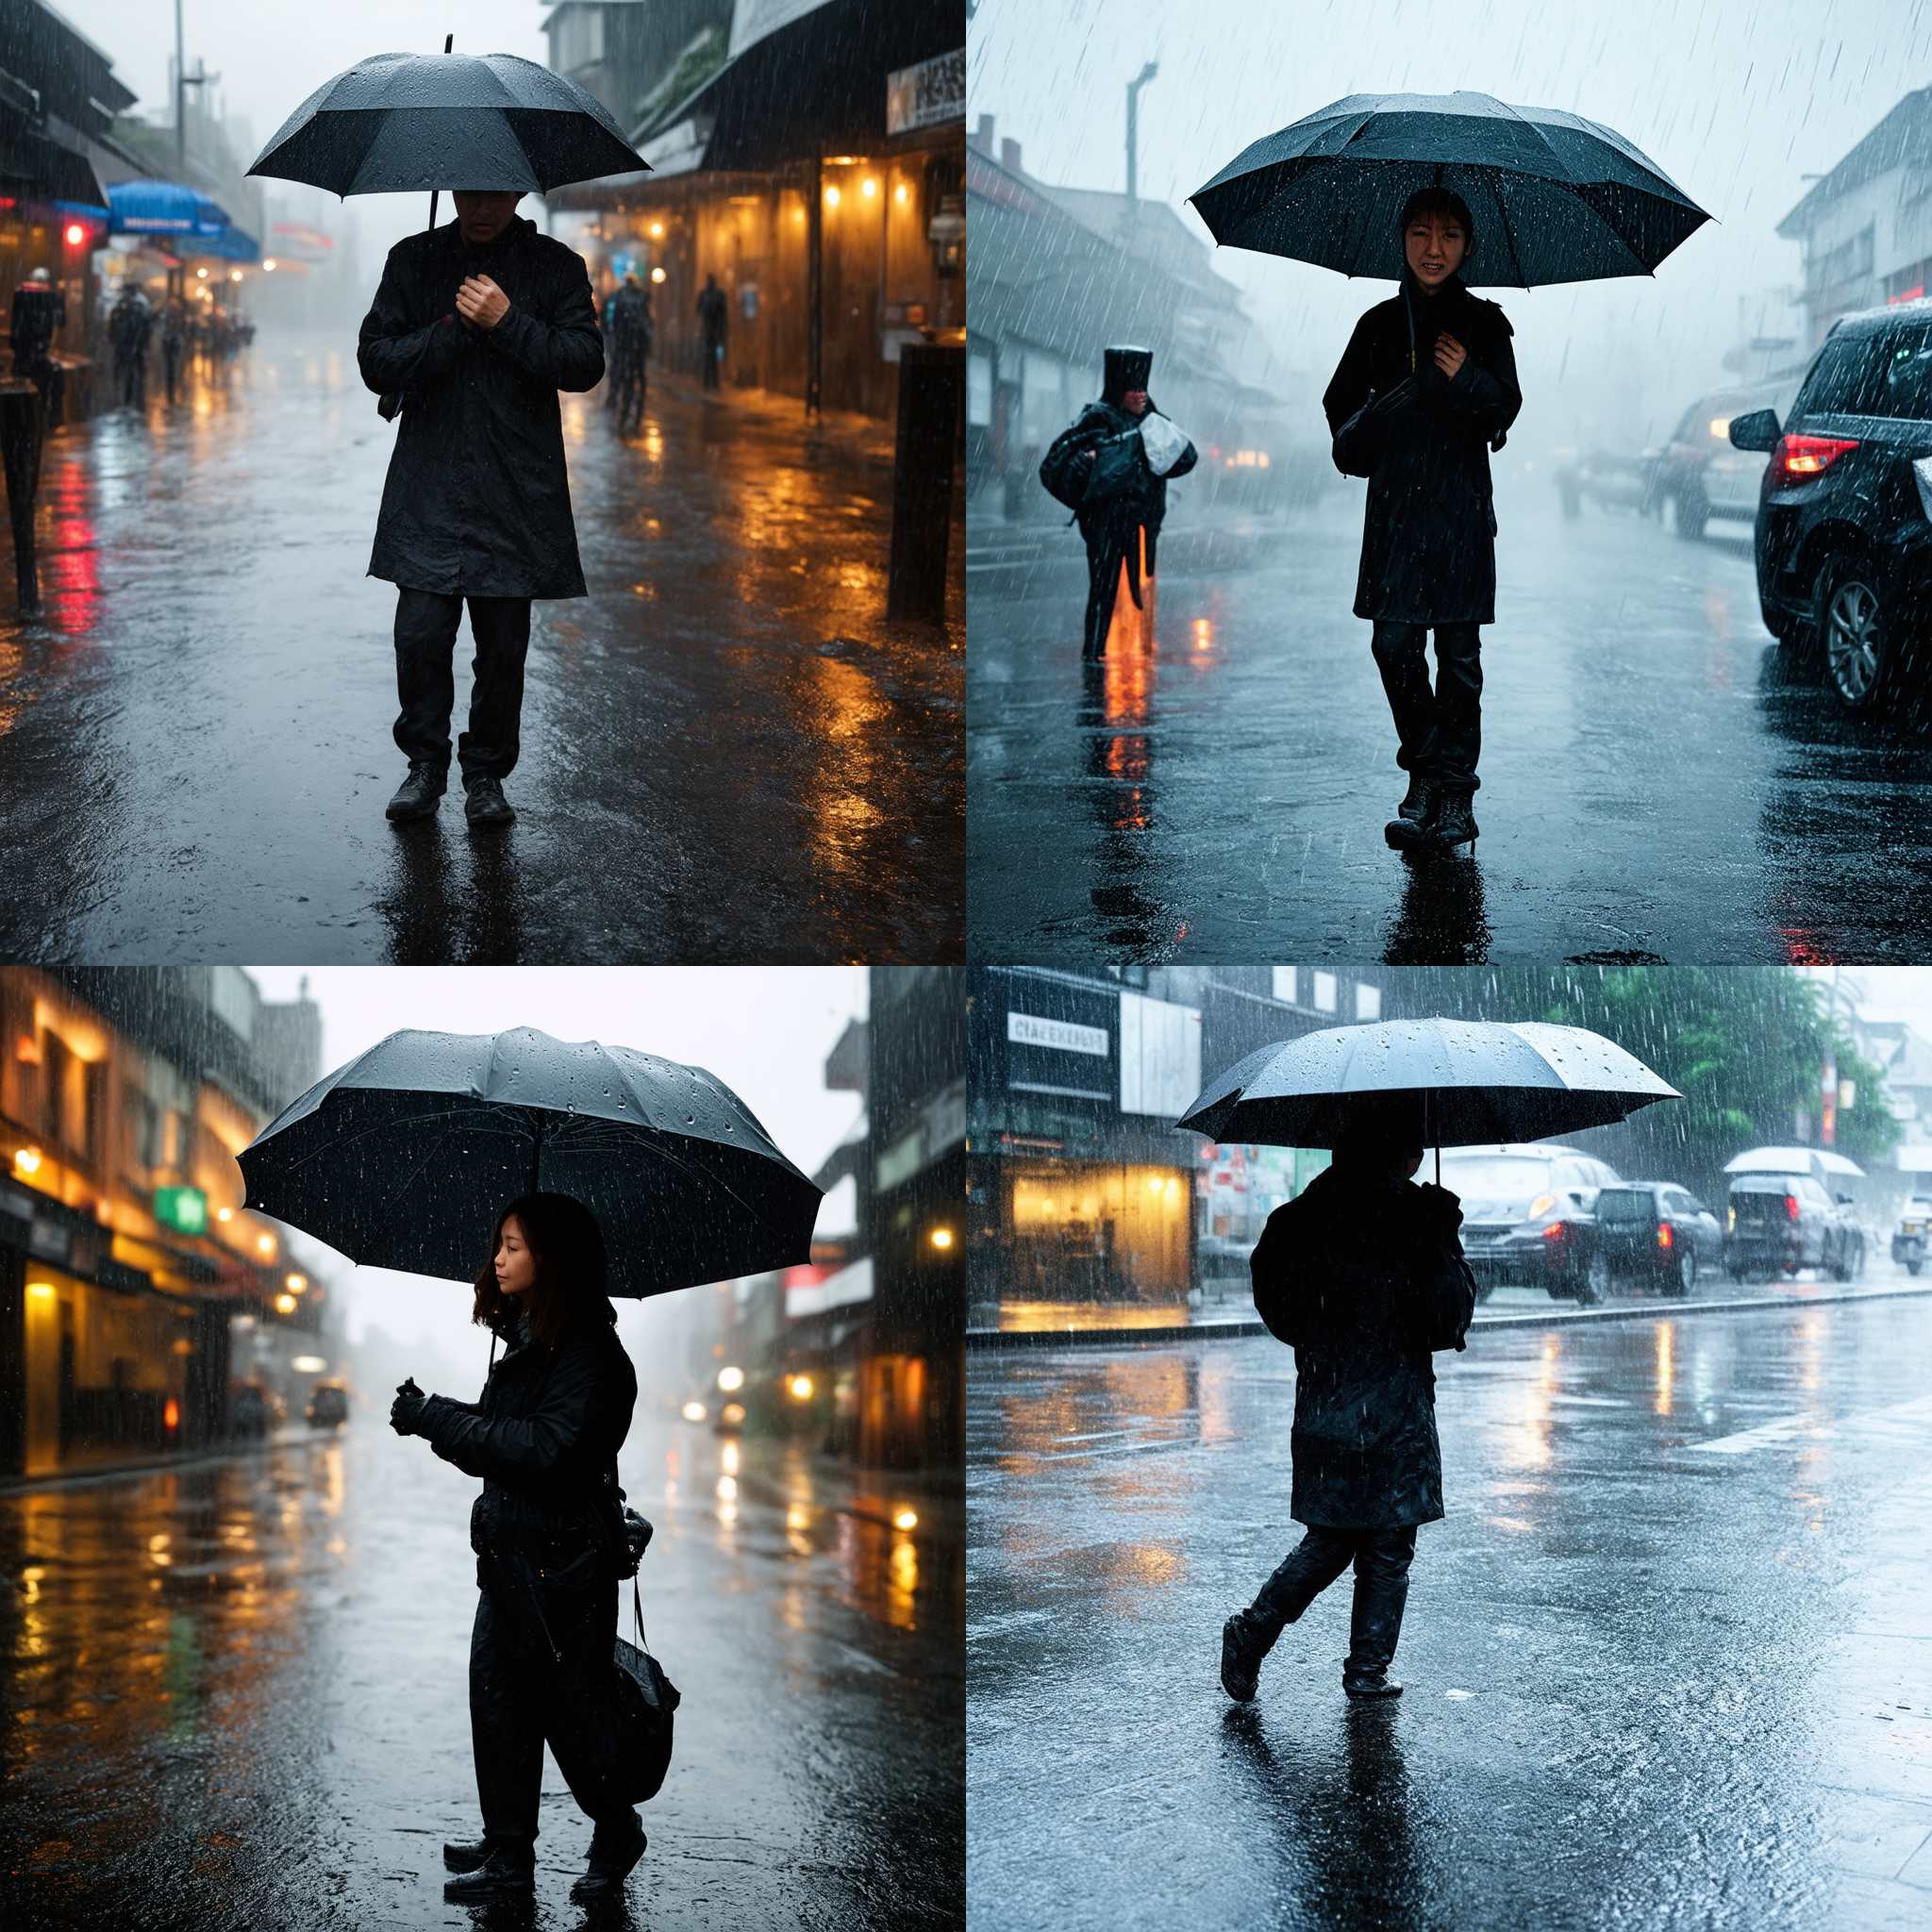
<point x="1109" y="546"/>
<point x="425" y="679"/>
<point x="1439" y="728"/>
<point x="170" y="362"/>
<point x="714" y="346"/>
<point x="516" y="1708"/>
<point x="1381" y="1559"/>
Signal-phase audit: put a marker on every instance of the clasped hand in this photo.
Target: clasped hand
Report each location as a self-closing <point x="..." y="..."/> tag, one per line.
<point x="481" y="303"/>
<point x="405" y="1411"/>
<point x="1450" y="355"/>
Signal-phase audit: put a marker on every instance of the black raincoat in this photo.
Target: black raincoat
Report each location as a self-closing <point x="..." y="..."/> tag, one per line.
<point x="477" y="501"/>
<point x="1363" y="1275"/>
<point x="1429" y="531"/>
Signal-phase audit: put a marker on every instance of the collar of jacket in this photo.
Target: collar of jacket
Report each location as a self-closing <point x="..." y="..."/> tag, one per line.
<point x="1453" y="294"/>
<point x="512" y="232"/>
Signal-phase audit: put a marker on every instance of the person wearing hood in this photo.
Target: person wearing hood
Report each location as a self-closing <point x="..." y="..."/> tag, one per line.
<point x="1101" y="470"/>
<point x="128" y="323"/>
<point x="476" y="327"/>
<point x="1438" y="362"/>
<point x="1362" y="1275"/>
<point x="548" y="1537"/>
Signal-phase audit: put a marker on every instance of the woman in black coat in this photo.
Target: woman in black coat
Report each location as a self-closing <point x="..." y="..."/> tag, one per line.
<point x="547" y="1532"/>
<point x="1363" y="1273"/>
<point x="1428" y="538"/>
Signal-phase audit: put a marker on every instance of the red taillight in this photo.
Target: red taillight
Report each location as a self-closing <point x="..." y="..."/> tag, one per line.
<point x="1555" y="1230"/>
<point x="1801" y="457"/>
<point x="170" y="1415"/>
<point x="1791" y="1206"/>
<point x="1663" y="1235"/>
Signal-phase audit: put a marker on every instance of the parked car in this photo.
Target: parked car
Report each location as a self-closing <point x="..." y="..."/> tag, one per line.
<point x="254" y="1409"/>
<point x="1908" y="1238"/>
<point x="1776" y="1224"/>
<point x="1844" y="516"/>
<point x="1657" y="1233"/>
<point x="328" y="1405"/>
<point x="1604" y="478"/>
<point x="1527" y="1217"/>
<point x="1701" y="473"/>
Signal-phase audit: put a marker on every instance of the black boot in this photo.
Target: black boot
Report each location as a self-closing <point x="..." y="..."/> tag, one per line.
<point x="1454" y="823"/>
<point x="616" y="1845"/>
<point x="465" y="1857"/>
<point x="486" y="805"/>
<point x="1243" y="1647"/>
<point x="1410" y="827"/>
<point x="503" y="1874"/>
<point x="417" y="795"/>
<point x="1375" y="1623"/>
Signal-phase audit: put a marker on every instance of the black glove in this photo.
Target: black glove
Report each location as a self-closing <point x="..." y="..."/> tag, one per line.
<point x="637" y="1537"/>
<point x="405" y="1411"/>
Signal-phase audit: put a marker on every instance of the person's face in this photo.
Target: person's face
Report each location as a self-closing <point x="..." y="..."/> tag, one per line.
<point x="1133" y="402"/>
<point x="480" y="216"/>
<point x="1415" y="1166"/>
<point x="516" y="1267"/>
<point x="1436" y="244"/>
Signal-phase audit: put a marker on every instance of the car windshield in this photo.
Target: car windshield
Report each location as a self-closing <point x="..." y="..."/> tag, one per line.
<point x="1887" y="372"/>
<point x="1624" y="1204"/>
<point x="1495" y="1176"/>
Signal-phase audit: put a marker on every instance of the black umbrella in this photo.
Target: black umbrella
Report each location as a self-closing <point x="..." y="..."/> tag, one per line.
<point x="1554" y="197"/>
<point x="490" y="121"/>
<point x="404" y="1158"/>
<point x="1479" y="1081"/>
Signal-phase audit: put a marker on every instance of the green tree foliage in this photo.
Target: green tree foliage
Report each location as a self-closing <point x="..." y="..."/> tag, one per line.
<point x="1746" y="1046"/>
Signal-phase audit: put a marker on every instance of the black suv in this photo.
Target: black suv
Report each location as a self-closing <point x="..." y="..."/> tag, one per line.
<point x="1780" y="1223"/>
<point x="1844" y="514"/>
<point x="1658" y="1232"/>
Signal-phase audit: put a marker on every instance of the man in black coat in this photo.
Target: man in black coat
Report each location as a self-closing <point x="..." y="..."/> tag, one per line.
<point x="1122" y="529"/>
<point x="714" y="318"/>
<point x="128" y="323"/>
<point x="1428" y="557"/>
<point x="1363" y="1274"/>
<point x="477" y="326"/>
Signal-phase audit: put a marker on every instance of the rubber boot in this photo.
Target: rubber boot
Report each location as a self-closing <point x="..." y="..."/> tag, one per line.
<point x="1374" y="1625"/>
<point x="616" y="1845"/>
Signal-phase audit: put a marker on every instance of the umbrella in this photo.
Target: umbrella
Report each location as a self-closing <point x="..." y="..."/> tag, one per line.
<point x="1480" y="1081"/>
<point x="1815" y="1161"/>
<point x="1554" y="197"/>
<point x="489" y="122"/>
<point x="405" y="1157"/>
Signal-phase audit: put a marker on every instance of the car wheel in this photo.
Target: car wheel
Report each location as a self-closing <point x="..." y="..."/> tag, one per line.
<point x="1851" y="622"/>
<point x="1912" y="1269"/>
<point x="1685" y="1280"/>
<point x="1593" y="1284"/>
<point x="1692" y="513"/>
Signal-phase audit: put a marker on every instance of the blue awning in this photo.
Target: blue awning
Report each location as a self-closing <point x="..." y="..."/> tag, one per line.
<point x="163" y="207"/>
<point x="231" y="244"/>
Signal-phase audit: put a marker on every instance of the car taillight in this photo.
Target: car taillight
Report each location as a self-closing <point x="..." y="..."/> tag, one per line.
<point x="1555" y="1230"/>
<point x="1791" y="1206"/>
<point x="1663" y="1235"/>
<point x="1799" y="459"/>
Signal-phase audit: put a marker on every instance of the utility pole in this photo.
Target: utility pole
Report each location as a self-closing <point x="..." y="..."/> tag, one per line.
<point x="1134" y="87"/>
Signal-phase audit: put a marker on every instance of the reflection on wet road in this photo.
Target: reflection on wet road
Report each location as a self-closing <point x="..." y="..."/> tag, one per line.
<point x="236" y="1694"/>
<point x="1664" y="1656"/>
<point x="1657" y="783"/>
<point x="727" y="752"/>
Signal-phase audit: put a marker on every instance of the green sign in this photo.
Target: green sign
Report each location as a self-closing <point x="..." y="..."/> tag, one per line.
<point x="184" y="1209"/>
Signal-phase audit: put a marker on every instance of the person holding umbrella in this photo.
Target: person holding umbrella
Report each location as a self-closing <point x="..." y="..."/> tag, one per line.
<point x="544" y="1439"/>
<point x="1429" y="559"/>
<point x="1362" y="1275"/>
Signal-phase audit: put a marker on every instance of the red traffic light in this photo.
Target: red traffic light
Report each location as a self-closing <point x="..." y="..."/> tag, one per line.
<point x="77" y="234"/>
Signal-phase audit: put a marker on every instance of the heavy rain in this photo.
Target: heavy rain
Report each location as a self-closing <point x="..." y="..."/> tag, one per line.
<point x="240" y="1555"/>
<point x="1702" y="734"/>
<point x="690" y="453"/>
<point x="1660" y="1648"/>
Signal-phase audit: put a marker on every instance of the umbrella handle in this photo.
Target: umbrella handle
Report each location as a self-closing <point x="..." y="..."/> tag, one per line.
<point x="449" y="40"/>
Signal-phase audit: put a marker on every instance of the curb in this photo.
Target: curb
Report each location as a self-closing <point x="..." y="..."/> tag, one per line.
<point x="990" y="1341"/>
<point x="121" y="1471"/>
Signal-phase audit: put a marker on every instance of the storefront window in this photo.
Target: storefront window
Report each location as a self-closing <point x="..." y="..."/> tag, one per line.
<point x="1098" y="1232"/>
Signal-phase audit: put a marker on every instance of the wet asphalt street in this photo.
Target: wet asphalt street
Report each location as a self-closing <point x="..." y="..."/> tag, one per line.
<point x="1658" y="783"/>
<point x="1665" y="1658"/>
<point x="235" y="1695"/>
<point x="727" y="752"/>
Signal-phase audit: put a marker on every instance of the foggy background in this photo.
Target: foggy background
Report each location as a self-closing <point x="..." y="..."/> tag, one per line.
<point x="272" y="55"/>
<point x="765" y="1032"/>
<point x="1735" y="102"/>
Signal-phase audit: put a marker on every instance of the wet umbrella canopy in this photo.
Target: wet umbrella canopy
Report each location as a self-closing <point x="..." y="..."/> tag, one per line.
<point x="1816" y="1161"/>
<point x="1553" y="197"/>
<point x="404" y="1158"/>
<point x="1481" y="1081"/>
<point x="488" y="121"/>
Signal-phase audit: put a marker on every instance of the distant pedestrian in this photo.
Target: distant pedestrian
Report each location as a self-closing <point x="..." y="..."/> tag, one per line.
<point x="1363" y="1274"/>
<point x="629" y="330"/>
<point x="550" y="1539"/>
<point x="477" y="326"/>
<point x="173" y="344"/>
<point x="1114" y="480"/>
<point x="1439" y="359"/>
<point x="128" y="333"/>
<point x="40" y="313"/>
<point x="713" y="314"/>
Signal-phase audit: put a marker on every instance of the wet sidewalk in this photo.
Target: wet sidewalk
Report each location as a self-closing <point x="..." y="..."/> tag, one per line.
<point x="236" y="1694"/>
<point x="727" y="752"/>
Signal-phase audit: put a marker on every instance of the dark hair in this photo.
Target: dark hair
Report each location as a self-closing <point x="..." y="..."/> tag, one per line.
<point x="1381" y="1130"/>
<point x="1446" y="202"/>
<point x="567" y="1246"/>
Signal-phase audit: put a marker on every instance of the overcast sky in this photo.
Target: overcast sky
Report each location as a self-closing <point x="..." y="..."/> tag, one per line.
<point x="765" y="1032"/>
<point x="1735" y="102"/>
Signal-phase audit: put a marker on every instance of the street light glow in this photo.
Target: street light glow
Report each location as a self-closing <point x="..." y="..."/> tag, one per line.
<point x="75" y="234"/>
<point x="656" y="274"/>
<point x="693" y="1411"/>
<point x="267" y="266"/>
<point x="284" y="1304"/>
<point x="730" y="1380"/>
<point x="296" y="1283"/>
<point x="265" y="1243"/>
<point x="28" y="1159"/>
<point x="906" y="1519"/>
<point x="801" y="1387"/>
<point x="224" y="1214"/>
<point x="940" y="1238"/>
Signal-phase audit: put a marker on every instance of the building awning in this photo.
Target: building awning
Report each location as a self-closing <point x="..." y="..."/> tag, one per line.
<point x="163" y="207"/>
<point x="850" y="1285"/>
<point x="33" y="167"/>
<point x="231" y="244"/>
